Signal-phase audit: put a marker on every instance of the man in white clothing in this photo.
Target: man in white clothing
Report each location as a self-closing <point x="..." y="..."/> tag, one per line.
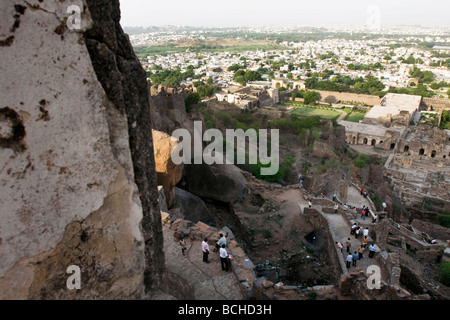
<point x="205" y="249"/>
<point x="222" y="241"/>
<point x="224" y="258"/>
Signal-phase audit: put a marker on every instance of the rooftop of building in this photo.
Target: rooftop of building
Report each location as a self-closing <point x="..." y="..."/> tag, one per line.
<point x="393" y="104"/>
<point x="369" y="129"/>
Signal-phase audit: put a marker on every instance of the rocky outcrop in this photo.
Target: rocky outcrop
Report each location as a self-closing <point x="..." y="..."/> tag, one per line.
<point x="169" y="174"/>
<point x="190" y="207"/>
<point x="219" y="182"/>
<point x="78" y="175"/>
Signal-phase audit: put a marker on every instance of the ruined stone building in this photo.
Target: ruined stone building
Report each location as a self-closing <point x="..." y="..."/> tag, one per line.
<point x="250" y="97"/>
<point x="418" y="164"/>
<point x="420" y="167"/>
<point x="395" y="109"/>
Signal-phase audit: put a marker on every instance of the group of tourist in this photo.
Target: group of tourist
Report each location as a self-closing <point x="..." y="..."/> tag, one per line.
<point x="358" y="254"/>
<point x="352" y="258"/>
<point x="220" y="246"/>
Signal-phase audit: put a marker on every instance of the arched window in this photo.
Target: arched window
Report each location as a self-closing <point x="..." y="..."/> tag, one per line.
<point x="406" y="149"/>
<point x="374" y="142"/>
<point x="421" y="151"/>
<point x="365" y="141"/>
<point x="433" y="153"/>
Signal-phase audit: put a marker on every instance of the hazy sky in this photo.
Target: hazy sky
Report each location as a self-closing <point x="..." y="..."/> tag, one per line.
<point x="284" y="12"/>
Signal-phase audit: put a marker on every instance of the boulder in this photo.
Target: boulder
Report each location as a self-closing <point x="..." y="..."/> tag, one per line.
<point x="220" y="182"/>
<point x="191" y="207"/>
<point x="169" y="174"/>
<point x="323" y="150"/>
<point x="347" y="282"/>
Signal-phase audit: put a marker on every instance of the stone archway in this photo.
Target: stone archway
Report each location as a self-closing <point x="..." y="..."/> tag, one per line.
<point x="421" y="151"/>
<point x="433" y="153"/>
<point x="406" y="149"/>
<point x="354" y="140"/>
<point x="365" y="141"/>
<point x="374" y="142"/>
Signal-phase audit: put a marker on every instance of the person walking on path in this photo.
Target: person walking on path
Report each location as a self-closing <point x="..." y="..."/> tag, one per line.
<point x="336" y="207"/>
<point x="355" y="258"/>
<point x="224" y="258"/>
<point x="309" y="203"/>
<point x="364" y="242"/>
<point x="349" y="260"/>
<point x="183" y="245"/>
<point x="348" y="244"/>
<point x="366" y="232"/>
<point x="361" y="252"/>
<point x="371" y="251"/>
<point x="205" y="249"/>
<point x="357" y="231"/>
<point x="340" y="246"/>
<point x="353" y="228"/>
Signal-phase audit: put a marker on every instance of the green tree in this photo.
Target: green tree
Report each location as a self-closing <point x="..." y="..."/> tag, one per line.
<point x="192" y="98"/>
<point x="241" y="80"/>
<point x="311" y="97"/>
<point x="444" y="272"/>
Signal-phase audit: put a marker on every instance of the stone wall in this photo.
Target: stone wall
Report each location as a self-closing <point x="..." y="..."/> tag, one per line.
<point x="435" y="104"/>
<point x="334" y="97"/>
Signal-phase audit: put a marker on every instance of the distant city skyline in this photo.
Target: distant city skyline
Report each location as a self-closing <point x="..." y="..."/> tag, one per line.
<point x="144" y="13"/>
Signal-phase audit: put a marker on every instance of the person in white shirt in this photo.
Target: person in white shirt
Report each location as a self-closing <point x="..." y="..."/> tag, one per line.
<point x="371" y="250"/>
<point x="224" y="258"/>
<point x="366" y="232"/>
<point x="221" y="241"/>
<point x="336" y="207"/>
<point x="349" y="260"/>
<point x="205" y="249"/>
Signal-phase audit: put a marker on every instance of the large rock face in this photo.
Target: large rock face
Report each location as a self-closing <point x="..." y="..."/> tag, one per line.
<point x="78" y="180"/>
<point x="219" y="182"/>
<point x="190" y="207"/>
<point x="169" y="174"/>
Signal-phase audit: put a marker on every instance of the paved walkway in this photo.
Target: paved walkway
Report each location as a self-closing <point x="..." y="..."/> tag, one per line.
<point x="340" y="230"/>
<point x="208" y="280"/>
<point x="340" y="227"/>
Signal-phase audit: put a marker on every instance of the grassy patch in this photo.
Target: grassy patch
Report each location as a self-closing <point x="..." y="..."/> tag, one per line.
<point x="355" y="116"/>
<point x="325" y="113"/>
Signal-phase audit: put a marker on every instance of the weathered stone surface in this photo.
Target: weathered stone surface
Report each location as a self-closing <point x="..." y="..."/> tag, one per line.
<point x="191" y="207"/>
<point x="218" y="182"/>
<point x="169" y="174"/>
<point x="78" y="184"/>
<point x="71" y="163"/>
<point x="347" y="282"/>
